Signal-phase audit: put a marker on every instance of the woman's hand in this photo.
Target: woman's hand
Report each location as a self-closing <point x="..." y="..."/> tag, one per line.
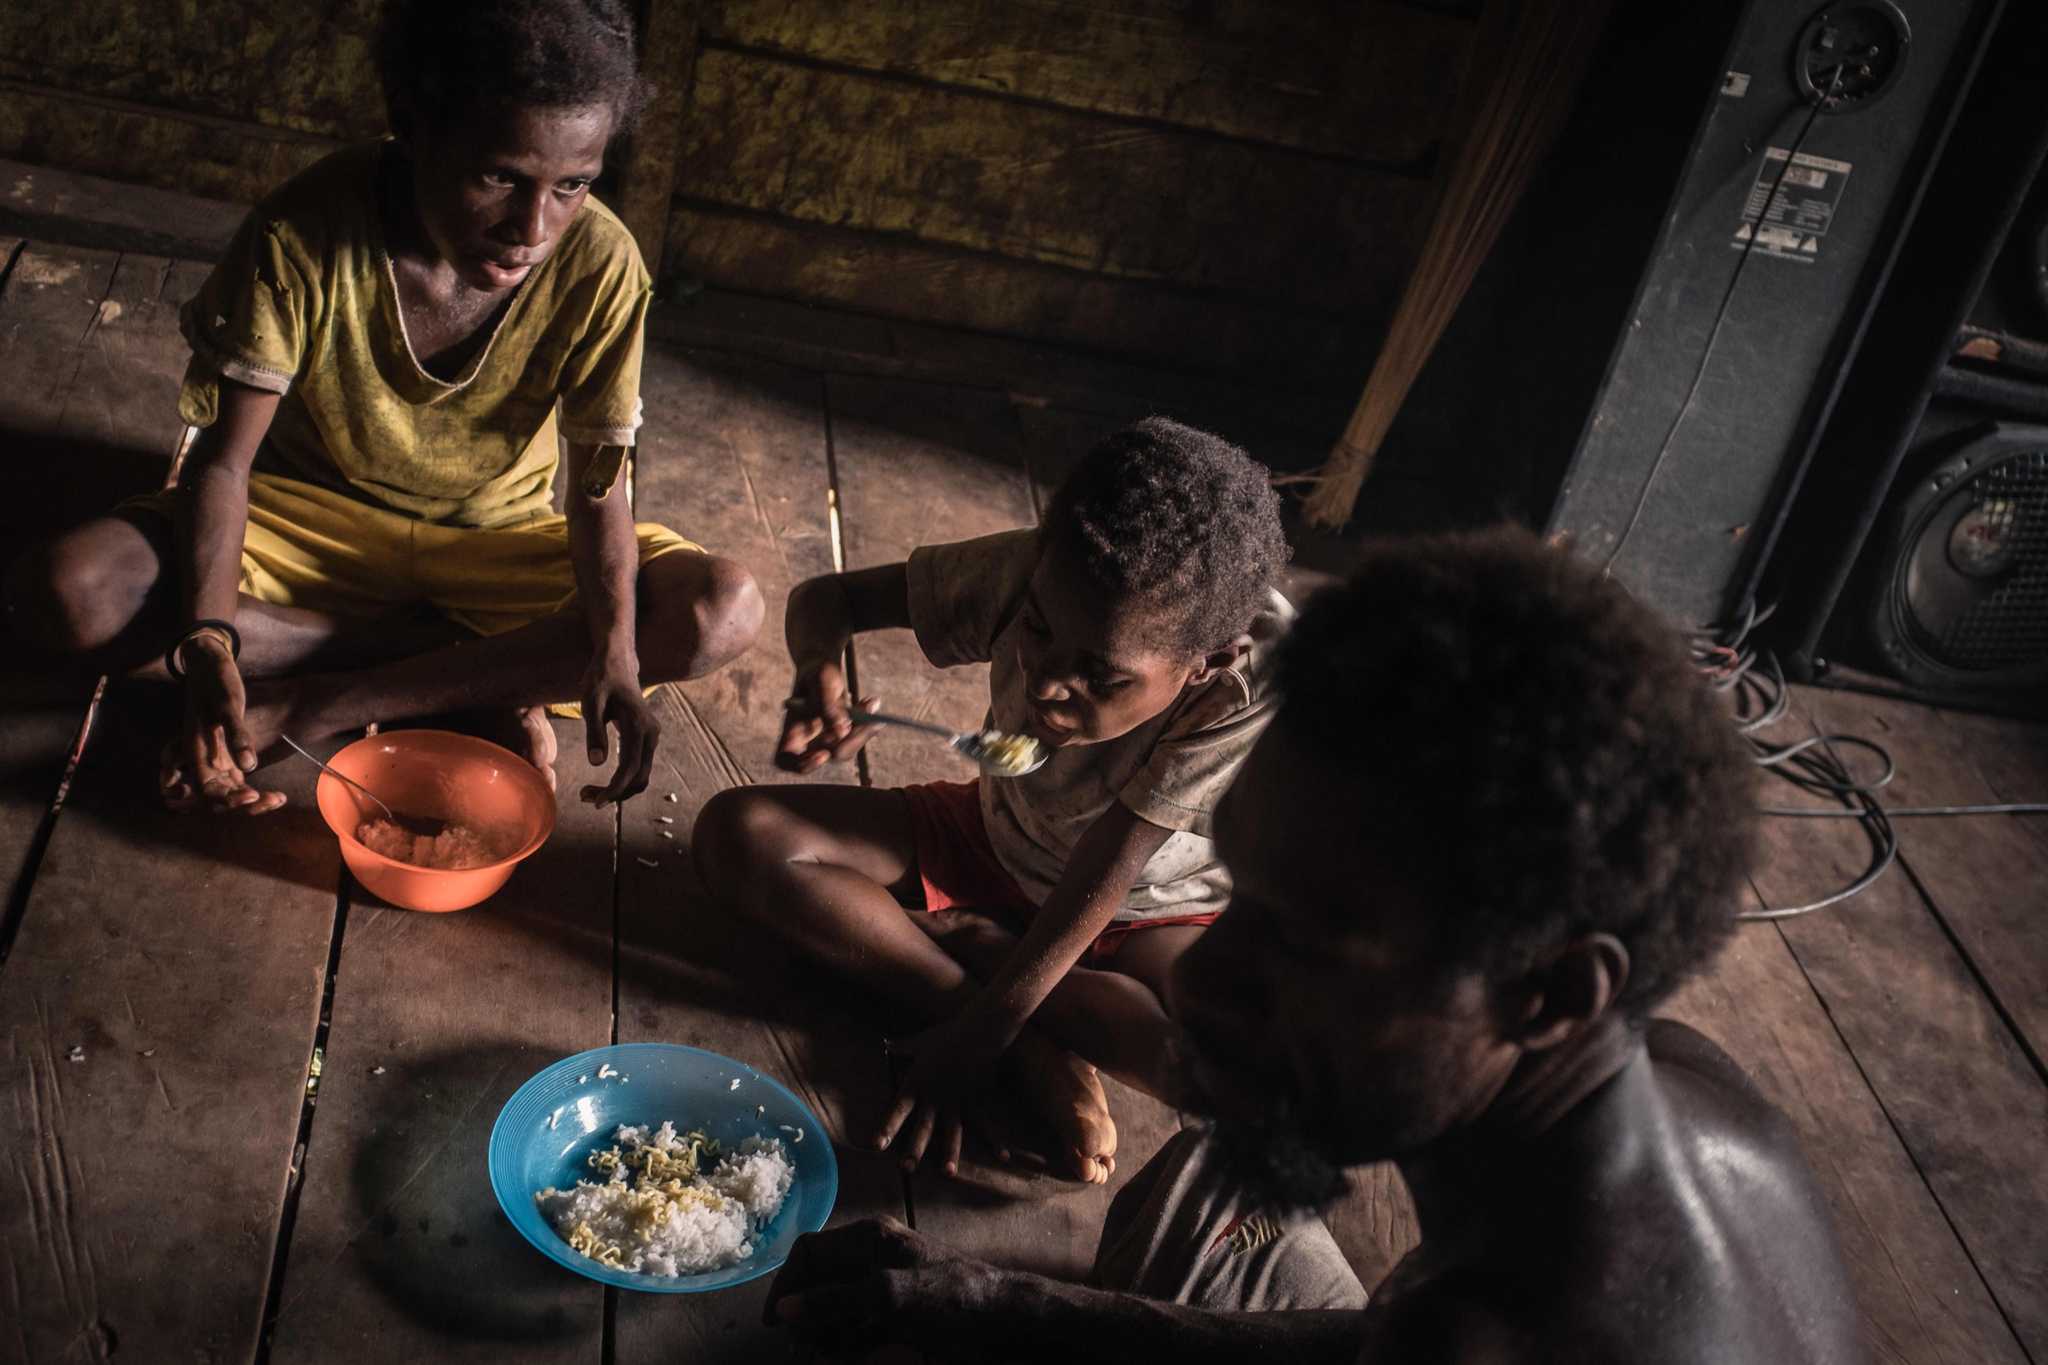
<point x="817" y="724"/>
<point x="214" y="752"/>
<point x="613" y="699"/>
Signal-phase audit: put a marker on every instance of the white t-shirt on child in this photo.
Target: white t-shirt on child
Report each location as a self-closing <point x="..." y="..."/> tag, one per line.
<point x="965" y="601"/>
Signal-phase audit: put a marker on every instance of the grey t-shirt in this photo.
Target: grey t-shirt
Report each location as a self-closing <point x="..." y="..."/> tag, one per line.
<point x="965" y="601"/>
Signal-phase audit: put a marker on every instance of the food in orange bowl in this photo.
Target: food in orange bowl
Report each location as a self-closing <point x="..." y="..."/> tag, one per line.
<point x="497" y="806"/>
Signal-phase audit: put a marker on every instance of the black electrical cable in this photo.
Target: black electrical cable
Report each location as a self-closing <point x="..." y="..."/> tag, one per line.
<point x="1814" y="764"/>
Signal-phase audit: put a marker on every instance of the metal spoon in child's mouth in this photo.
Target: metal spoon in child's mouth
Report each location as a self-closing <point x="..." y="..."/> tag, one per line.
<point x="999" y="754"/>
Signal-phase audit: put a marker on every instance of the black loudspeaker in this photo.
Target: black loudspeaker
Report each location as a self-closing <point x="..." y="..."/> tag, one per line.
<point x="1757" y="294"/>
<point x="1917" y="548"/>
<point x="1959" y="588"/>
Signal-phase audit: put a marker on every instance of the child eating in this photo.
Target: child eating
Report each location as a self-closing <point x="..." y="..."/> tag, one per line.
<point x="1126" y="636"/>
<point x="384" y="368"/>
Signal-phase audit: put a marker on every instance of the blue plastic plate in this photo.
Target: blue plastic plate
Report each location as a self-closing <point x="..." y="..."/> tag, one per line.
<point x="655" y="1081"/>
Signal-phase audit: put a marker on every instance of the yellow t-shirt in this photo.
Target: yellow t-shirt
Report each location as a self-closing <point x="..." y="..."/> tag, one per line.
<point x="305" y="305"/>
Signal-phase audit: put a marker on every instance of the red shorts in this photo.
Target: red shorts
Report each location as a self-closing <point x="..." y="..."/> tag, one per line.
<point x="960" y="871"/>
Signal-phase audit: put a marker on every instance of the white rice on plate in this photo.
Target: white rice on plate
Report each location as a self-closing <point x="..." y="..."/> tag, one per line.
<point x="671" y="1204"/>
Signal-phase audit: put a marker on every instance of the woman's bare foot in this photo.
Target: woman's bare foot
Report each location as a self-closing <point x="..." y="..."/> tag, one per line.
<point x="1067" y="1092"/>
<point x="540" y="741"/>
<point x="526" y="731"/>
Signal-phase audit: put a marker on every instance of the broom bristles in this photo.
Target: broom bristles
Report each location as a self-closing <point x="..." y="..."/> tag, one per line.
<point x="1528" y="62"/>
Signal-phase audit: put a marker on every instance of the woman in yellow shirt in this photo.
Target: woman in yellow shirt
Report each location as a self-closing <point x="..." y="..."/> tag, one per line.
<point x="384" y="368"/>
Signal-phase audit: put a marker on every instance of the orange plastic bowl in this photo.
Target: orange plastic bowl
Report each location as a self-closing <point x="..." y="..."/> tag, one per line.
<point x="444" y="776"/>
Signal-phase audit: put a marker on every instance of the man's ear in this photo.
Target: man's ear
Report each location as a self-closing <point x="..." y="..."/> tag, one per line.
<point x="1577" y="988"/>
<point x="1216" y="660"/>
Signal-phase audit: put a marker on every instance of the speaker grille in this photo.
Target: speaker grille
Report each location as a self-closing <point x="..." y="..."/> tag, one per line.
<point x="2004" y="516"/>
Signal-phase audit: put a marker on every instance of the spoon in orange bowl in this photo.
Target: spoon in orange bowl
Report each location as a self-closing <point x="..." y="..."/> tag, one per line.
<point x="426" y="827"/>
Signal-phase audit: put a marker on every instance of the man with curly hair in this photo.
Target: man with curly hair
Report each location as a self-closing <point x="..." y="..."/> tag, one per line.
<point x="1496" y="821"/>
<point x="385" y="368"/>
<point x="1126" y="636"/>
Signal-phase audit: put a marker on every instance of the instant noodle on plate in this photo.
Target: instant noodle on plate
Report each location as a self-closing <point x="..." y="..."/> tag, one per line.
<point x="662" y="1168"/>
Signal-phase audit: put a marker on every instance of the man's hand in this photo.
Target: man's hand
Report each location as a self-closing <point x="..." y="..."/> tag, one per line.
<point x="213" y="754"/>
<point x="876" y="1282"/>
<point x="612" y="699"/>
<point x="816" y="725"/>
<point x="949" y="1061"/>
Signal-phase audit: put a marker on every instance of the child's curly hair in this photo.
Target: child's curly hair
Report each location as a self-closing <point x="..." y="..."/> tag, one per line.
<point x="1533" y="749"/>
<point x="1182" y="521"/>
<point x="439" y="58"/>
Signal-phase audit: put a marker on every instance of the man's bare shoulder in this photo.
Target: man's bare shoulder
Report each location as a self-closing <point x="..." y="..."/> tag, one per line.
<point x="1718" y="1095"/>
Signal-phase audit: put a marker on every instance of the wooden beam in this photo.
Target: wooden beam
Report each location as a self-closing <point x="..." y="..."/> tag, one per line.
<point x="1362" y="82"/>
<point x="50" y="204"/>
<point x="1036" y="182"/>
<point x="900" y="276"/>
<point x="668" y="60"/>
<point x="168" y="148"/>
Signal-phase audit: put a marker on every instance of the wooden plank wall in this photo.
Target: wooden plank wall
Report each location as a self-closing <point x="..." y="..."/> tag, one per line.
<point x="1224" y="184"/>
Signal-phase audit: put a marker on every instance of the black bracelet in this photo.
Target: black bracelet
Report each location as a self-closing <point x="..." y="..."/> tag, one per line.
<point x="175" y="664"/>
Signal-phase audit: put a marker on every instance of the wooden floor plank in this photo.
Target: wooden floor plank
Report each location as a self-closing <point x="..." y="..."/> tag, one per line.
<point x="920" y="464"/>
<point x="1952" y="1077"/>
<point x="185" y="923"/>
<point x="1970" y="865"/>
<point x="156" y="1020"/>
<point x="733" y="456"/>
<point x="90" y="341"/>
<point x="39" y="721"/>
<point x="50" y="306"/>
<point x="689" y="973"/>
<point x="2010" y="757"/>
<point x="124" y="394"/>
<point x="39" y="715"/>
<point x="841" y="342"/>
<point x="1921" y="1300"/>
<point x="400" y="1251"/>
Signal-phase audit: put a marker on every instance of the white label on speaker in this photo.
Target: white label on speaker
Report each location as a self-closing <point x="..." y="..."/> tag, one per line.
<point x="1799" y="214"/>
<point x="1735" y="84"/>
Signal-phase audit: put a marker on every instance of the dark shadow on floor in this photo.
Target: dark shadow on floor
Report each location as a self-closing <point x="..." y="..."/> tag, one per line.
<point x="50" y="483"/>
<point x="429" y="1233"/>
